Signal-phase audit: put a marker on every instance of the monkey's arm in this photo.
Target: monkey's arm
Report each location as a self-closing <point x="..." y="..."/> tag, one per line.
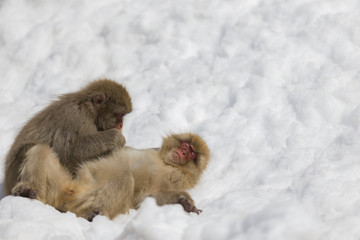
<point x="98" y="144"/>
<point x="175" y="197"/>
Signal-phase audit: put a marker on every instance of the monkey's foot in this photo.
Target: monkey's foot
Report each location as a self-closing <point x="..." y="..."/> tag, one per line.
<point x="24" y="190"/>
<point x="188" y="207"/>
<point x="92" y="214"/>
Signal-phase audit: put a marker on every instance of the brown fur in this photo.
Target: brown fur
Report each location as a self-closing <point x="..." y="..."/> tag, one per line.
<point x="78" y="127"/>
<point x="113" y="184"/>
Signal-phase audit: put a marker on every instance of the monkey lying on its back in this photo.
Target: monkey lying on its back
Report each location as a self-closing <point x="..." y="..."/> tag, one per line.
<point x="115" y="183"/>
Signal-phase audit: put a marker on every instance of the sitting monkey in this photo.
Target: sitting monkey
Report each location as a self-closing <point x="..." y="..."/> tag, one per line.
<point x="78" y="127"/>
<point x="113" y="184"/>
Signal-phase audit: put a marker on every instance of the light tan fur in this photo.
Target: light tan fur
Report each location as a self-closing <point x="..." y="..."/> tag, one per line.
<point x="113" y="184"/>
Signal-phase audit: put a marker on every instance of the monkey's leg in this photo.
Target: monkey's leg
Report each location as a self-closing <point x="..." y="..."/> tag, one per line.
<point x="41" y="176"/>
<point x="175" y="197"/>
<point x="13" y="163"/>
<point x="108" y="194"/>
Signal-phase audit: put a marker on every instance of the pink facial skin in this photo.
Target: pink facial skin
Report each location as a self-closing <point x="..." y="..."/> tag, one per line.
<point x="119" y="121"/>
<point x="184" y="153"/>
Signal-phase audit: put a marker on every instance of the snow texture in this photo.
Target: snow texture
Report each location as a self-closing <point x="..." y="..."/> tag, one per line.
<point x="271" y="85"/>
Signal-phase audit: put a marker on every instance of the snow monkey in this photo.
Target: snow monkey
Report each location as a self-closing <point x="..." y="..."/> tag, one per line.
<point x="79" y="126"/>
<point x="113" y="184"/>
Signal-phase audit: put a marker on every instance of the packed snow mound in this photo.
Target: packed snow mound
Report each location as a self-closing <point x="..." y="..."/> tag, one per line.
<point x="272" y="86"/>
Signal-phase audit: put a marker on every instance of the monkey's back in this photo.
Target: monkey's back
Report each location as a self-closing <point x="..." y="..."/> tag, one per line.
<point x="54" y="123"/>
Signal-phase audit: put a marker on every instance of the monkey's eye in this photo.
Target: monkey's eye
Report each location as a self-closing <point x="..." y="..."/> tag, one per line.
<point x="186" y="145"/>
<point x="192" y="148"/>
<point x="193" y="156"/>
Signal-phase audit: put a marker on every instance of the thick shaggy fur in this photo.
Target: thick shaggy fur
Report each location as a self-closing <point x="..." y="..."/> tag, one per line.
<point x="113" y="184"/>
<point x="78" y="127"/>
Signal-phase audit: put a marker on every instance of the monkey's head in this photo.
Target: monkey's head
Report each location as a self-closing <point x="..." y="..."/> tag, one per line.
<point x="110" y="102"/>
<point x="186" y="150"/>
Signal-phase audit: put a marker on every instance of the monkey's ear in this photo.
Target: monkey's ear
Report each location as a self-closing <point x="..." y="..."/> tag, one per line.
<point x="98" y="98"/>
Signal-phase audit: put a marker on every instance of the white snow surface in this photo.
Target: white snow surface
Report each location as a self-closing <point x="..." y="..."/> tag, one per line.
<point x="273" y="86"/>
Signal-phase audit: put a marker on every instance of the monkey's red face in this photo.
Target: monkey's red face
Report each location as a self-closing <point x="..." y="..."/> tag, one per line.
<point x="109" y="115"/>
<point x="184" y="153"/>
<point x="119" y="121"/>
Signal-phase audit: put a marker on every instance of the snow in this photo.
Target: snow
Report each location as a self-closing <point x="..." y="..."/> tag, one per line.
<point x="271" y="85"/>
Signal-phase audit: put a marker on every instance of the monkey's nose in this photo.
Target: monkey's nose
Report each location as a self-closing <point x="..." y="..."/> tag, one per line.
<point x="183" y="152"/>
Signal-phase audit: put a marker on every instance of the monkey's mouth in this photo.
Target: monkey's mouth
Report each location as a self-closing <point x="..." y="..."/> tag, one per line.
<point x="176" y="157"/>
<point x="119" y="121"/>
<point x="119" y="125"/>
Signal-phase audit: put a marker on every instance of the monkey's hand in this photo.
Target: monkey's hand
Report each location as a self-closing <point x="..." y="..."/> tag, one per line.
<point x="174" y="197"/>
<point x="118" y="137"/>
<point x="188" y="206"/>
<point x="95" y="145"/>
